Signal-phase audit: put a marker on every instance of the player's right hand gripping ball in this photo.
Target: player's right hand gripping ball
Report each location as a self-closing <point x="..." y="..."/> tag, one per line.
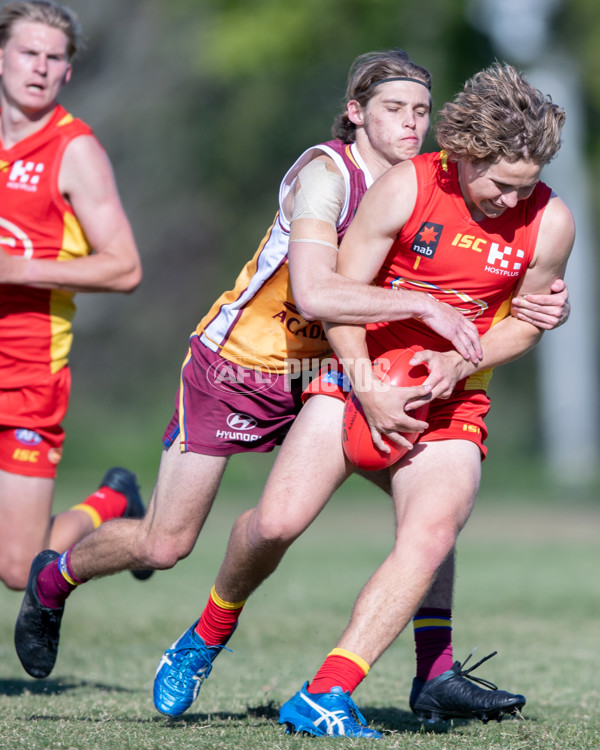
<point x="393" y="368"/>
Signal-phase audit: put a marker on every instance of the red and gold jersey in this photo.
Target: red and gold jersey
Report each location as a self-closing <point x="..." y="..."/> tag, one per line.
<point x="441" y="250"/>
<point x="37" y="222"/>
<point x="257" y="324"/>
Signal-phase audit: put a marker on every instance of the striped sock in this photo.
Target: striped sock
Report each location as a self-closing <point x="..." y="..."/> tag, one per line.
<point x="341" y="668"/>
<point x="56" y="581"/>
<point x="433" y="641"/>
<point x="218" y="620"/>
<point x="103" y="505"/>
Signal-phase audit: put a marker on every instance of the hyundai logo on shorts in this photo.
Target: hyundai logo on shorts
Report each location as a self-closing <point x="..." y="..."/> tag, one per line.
<point x="240" y="421"/>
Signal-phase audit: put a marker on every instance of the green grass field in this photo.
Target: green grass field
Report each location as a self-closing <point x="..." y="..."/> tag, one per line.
<point x="528" y="586"/>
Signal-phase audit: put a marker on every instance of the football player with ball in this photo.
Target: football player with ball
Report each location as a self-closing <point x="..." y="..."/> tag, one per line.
<point x="496" y="135"/>
<point x="385" y="123"/>
<point x="386" y="119"/>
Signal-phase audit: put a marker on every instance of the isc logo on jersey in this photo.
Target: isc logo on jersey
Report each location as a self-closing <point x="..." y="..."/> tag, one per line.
<point x="25" y="175"/>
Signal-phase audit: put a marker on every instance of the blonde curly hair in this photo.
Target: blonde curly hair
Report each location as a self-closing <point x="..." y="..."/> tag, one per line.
<point x="499" y="115"/>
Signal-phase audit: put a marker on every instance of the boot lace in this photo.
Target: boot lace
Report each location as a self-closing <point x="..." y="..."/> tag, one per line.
<point x="462" y="672"/>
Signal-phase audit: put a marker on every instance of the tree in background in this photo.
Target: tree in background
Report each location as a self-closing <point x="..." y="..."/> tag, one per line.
<point x="201" y="107"/>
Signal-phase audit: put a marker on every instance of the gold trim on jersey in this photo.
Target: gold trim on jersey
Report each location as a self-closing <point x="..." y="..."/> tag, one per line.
<point x="62" y="307"/>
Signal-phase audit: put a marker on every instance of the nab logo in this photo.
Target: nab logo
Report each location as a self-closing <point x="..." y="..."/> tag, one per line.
<point x="427" y="238"/>
<point x="239" y="421"/>
<point x="25" y="175"/>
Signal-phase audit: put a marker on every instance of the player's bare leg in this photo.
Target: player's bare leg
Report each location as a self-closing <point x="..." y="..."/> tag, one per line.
<point x="185" y="491"/>
<point x="298" y="488"/>
<point x="299" y="485"/>
<point x="25" y="507"/>
<point x="68" y="527"/>
<point x="27" y="528"/>
<point x="182" y="499"/>
<point x="434" y="491"/>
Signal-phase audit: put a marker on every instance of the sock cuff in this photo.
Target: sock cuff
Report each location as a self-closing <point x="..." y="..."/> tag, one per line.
<point x="428" y="618"/>
<point x="92" y="513"/>
<point x="222" y="603"/>
<point x="359" y="661"/>
<point x="64" y="568"/>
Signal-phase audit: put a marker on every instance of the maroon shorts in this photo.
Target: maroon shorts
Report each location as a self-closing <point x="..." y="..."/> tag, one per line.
<point x="222" y="408"/>
<point x="31" y="437"/>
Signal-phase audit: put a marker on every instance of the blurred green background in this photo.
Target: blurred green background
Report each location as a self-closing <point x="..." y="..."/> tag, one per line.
<point x="202" y="107"/>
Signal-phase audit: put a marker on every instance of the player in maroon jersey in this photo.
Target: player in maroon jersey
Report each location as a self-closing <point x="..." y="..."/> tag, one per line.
<point x="315" y="199"/>
<point x="62" y="230"/>
<point x="385" y="112"/>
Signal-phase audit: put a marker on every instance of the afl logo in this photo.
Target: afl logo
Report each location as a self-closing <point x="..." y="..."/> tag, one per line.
<point x="252" y="373"/>
<point x="239" y="421"/>
<point x="28" y="437"/>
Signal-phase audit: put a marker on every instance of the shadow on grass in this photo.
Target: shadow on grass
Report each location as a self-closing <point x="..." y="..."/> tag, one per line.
<point x="269" y="712"/>
<point x="397" y="720"/>
<point x="54" y="687"/>
<point x="387" y="718"/>
<point x="390" y="718"/>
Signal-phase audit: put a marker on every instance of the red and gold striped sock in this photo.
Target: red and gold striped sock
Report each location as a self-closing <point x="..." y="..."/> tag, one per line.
<point x="341" y="668"/>
<point x="433" y="641"/>
<point x="218" y="620"/>
<point x="103" y="505"/>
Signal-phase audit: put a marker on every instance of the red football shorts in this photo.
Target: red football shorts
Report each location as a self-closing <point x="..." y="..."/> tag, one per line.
<point x="460" y="417"/>
<point x="222" y="408"/>
<point x="31" y="436"/>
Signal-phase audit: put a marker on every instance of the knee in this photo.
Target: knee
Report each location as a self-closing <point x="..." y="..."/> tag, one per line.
<point x="438" y="539"/>
<point x="268" y="530"/>
<point x="162" y="551"/>
<point x="14" y="575"/>
<point x="429" y="541"/>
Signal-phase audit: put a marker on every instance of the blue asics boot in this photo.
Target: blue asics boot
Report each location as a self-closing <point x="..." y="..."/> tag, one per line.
<point x="181" y="672"/>
<point x="450" y="695"/>
<point x="334" y="714"/>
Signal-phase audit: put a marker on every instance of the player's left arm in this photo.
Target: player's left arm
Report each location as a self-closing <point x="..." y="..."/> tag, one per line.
<point x="548" y="311"/>
<point x="511" y="337"/>
<point x="87" y="181"/>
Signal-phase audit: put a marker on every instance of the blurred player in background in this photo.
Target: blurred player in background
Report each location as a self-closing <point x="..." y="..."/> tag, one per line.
<point x="235" y="394"/>
<point x="62" y="230"/>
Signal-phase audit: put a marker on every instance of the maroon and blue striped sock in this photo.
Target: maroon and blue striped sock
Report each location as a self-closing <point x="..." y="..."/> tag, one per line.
<point x="433" y="641"/>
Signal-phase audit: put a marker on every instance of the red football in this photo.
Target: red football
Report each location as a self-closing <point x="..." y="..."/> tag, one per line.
<point x="391" y="367"/>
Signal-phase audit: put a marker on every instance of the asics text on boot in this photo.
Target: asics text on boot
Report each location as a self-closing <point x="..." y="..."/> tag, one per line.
<point x="334" y="714"/>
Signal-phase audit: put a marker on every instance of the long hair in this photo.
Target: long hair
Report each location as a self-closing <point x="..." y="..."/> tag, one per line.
<point x="498" y="114"/>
